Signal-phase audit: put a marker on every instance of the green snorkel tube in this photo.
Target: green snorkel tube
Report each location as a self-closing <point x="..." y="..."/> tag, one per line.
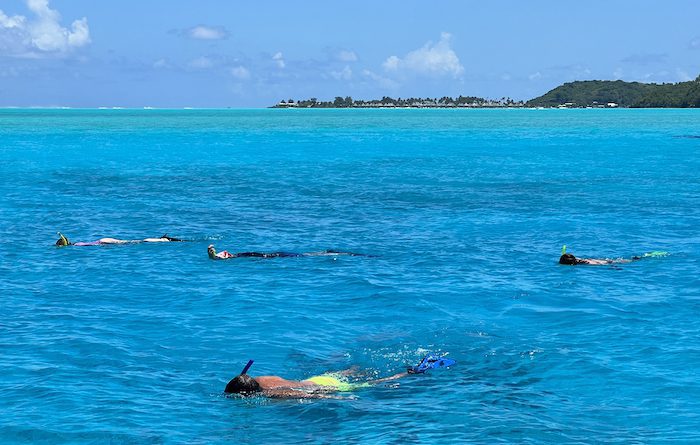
<point x="563" y="249"/>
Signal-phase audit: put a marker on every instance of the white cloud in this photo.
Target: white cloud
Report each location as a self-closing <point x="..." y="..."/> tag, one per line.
<point x="695" y="43"/>
<point x="432" y="59"/>
<point x="344" y="74"/>
<point x="382" y="81"/>
<point x="279" y="60"/>
<point x="347" y="56"/>
<point x="392" y="63"/>
<point x="535" y="76"/>
<point x="16" y="21"/>
<point x="201" y="63"/>
<point x="240" y="72"/>
<point x="618" y="73"/>
<point x="42" y="34"/>
<point x="202" y="32"/>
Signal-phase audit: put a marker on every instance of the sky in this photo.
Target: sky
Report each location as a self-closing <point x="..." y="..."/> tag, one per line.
<point x="223" y="53"/>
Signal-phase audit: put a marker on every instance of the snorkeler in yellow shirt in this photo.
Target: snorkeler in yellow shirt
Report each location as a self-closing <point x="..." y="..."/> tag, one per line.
<point x="321" y="386"/>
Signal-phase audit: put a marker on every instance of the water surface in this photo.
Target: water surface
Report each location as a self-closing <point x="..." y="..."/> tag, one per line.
<point x="464" y="213"/>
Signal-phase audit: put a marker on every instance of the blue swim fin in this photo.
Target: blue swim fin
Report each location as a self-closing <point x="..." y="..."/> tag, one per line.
<point x="431" y="361"/>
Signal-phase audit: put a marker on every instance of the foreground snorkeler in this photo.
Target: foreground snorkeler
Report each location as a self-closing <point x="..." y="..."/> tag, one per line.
<point x="321" y="386"/>
<point x="570" y="260"/>
<point x="63" y="241"/>
<point x="225" y="255"/>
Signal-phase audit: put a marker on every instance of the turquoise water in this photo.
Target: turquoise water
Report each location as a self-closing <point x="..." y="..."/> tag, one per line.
<point x="464" y="213"/>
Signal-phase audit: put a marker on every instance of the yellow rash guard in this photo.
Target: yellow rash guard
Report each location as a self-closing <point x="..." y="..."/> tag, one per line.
<point x="336" y="381"/>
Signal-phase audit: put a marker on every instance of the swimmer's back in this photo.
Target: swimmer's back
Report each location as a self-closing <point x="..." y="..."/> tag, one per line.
<point x="266" y="254"/>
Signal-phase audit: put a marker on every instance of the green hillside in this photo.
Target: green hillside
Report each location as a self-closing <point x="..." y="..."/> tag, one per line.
<point x="673" y="95"/>
<point x="624" y="94"/>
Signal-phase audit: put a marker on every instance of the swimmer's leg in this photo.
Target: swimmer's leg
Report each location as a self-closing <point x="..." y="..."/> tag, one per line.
<point x="388" y="379"/>
<point x="113" y="241"/>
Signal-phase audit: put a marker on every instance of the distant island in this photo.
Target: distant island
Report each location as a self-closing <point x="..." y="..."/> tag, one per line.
<point x="592" y="93"/>
<point x="413" y="102"/>
<point x="578" y="94"/>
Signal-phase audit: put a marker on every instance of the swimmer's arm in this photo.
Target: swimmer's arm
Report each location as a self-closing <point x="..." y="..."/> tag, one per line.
<point x="296" y="394"/>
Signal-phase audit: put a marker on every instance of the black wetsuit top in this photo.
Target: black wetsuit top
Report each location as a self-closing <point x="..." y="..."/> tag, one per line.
<point x="265" y="255"/>
<point x="292" y="254"/>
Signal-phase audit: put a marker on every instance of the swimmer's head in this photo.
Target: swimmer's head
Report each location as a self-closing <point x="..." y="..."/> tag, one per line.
<point x="211" y="251"/>
<point x="568" y="258"/>
<point x="169" y="238"/>
<point x="62" y="240"/>
<point x="244" y="385"/>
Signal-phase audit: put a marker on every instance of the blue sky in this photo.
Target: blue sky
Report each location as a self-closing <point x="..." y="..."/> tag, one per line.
<point x="206" y="53"/>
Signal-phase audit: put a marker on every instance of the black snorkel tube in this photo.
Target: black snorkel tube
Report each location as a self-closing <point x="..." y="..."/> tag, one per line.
<point x="247" y="367"/>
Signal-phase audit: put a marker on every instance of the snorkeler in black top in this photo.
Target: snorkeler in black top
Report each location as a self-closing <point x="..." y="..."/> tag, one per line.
<point x="225" y="255"/>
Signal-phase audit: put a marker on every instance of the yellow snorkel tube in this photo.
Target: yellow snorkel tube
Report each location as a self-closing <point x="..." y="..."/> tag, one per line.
<point x="63" y="241"/>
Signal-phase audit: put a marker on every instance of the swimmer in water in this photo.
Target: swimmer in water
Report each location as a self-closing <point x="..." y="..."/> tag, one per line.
<point x="321" y="386"/>
<point x="570" y="260"/>
<point x="63" y="241"/>
<point x="225" y="255"/>
<point x="318" y="387"/>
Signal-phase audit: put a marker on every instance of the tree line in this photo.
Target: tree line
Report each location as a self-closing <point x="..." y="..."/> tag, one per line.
<point x="412" y="102"/>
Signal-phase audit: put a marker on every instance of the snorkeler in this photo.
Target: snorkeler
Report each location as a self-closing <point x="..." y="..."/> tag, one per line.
<point x="63" y="241"/>
<point x="225" y="255"/>
<point x="570" y="260"/>
<point x="321" y="386"/>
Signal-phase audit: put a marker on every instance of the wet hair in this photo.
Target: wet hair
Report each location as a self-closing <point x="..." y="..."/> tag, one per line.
<point x="243" y="384"/>
<point x="568" y="258"/>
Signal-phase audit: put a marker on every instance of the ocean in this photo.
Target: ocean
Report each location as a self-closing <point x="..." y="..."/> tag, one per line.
<point x="461" y="215"/>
